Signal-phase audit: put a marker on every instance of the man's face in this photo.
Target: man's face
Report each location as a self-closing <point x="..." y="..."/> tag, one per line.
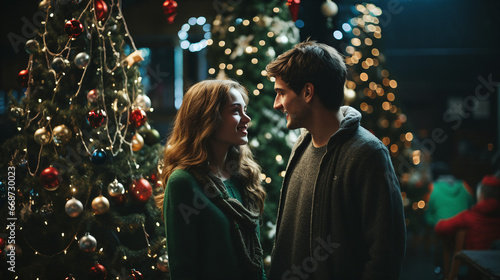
<point x="290" y="103"/>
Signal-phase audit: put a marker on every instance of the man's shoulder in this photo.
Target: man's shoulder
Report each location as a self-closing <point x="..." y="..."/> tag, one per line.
<point x="364" y="140"/>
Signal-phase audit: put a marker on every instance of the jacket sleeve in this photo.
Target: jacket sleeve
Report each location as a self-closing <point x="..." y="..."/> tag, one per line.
<point x="180" y="221"/>
<point x="448" y="227"/>
<point x="383" y="222"/>
<point x="430" y="214"/>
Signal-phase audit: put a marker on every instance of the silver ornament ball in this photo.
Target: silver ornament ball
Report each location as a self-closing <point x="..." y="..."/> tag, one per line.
<point x="162" y="263"/>
<point x="87" y="243"/>
<point x="59" y="64"/>
<point x="82" y="60"/>
<point x="115" y="188"/>
<point x="32" y="46"/>
<point x="73" y="207"/>
<point x="143" y="101"/>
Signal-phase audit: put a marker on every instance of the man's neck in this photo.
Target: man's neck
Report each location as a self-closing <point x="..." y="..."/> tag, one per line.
<point x="324" y="124"/>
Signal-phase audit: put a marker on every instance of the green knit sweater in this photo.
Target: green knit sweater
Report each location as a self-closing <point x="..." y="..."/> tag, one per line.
<point x="199" y="243"/>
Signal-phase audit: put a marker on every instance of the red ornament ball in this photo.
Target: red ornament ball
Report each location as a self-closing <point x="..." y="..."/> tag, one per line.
<point x="98" y="271"/>
<point x="136" y="275"/>
<point x="294" y="7"/>
<point x="120" y="199"/>
<point x="23" y="77"/>
<point x="2" y="245"/>
<point x="73" y="28"/>
<point x="169" y="7"/>
<point x="101" y="10"/>
<point x="50" y="178"/>
<point x="137" y="117"/>
<point x="96" y="117"/>
<point x="141" y="190"/>
<point x="154" y="177"/>
<point x="170" y="10"/>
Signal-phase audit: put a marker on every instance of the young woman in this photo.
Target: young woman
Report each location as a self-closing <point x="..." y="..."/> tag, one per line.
<point x="213" y="197"/>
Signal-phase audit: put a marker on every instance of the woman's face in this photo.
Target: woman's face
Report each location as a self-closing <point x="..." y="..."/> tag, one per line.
<point x="233" y="129"/>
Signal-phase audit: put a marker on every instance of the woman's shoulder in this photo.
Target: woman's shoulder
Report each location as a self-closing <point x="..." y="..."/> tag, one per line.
<point x="181" y="177"/>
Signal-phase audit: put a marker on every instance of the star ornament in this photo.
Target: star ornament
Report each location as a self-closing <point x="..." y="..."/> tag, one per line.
<point x="26" y="211"/>
<point x="242" y="43"/>
<point x="134" y="57"/>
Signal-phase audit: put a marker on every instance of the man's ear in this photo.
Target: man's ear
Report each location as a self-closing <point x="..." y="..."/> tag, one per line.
<point x="308" y="92"/>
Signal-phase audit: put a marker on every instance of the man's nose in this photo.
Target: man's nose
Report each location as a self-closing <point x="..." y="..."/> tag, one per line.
<point x="277" y="103"/>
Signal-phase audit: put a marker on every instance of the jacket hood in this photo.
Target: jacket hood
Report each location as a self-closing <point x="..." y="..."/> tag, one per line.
<point x="448" y="186"/>
<point x="351" y="118"/>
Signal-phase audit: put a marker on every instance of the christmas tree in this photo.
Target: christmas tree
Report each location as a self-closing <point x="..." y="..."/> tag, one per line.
<point x="245" y="38"/>
<point x="371" y="89"/>
<point x="78" y="175"/>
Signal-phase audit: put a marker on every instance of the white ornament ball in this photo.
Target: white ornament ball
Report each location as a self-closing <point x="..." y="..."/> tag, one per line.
<point x="271" y="52"/>
<point x="329" y="8"/>
<point x="143" y="102"/>
<point x="282" y="39"/>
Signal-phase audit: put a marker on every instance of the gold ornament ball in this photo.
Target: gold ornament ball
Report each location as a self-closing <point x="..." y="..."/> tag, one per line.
<point x="329" y="8"/>
<point x="100" y="205"/>
<point x="137" y="142"/>
<point x="42" y="136"/>
<point x="61" y="134"/>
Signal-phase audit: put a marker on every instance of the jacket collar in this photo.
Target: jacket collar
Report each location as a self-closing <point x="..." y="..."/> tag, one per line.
<point x="348" y="125"/>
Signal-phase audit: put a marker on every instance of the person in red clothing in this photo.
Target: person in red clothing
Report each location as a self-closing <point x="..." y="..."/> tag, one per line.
<point x="482" y="221"/>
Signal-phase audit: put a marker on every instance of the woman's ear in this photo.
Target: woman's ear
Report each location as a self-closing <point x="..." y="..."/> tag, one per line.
<point x="308" y="92"/>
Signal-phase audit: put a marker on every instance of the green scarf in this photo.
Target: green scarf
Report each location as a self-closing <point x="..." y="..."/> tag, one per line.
<point x="244" y="223"/>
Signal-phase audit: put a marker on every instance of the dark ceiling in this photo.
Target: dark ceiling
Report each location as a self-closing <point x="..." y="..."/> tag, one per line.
<point x="435" y="49"/>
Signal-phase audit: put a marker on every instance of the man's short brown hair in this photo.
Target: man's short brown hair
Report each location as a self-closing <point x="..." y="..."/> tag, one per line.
<point x="315" y="63"/>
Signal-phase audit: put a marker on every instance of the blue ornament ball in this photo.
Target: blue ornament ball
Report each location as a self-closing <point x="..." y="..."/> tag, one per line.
<point x="99" y="156"/>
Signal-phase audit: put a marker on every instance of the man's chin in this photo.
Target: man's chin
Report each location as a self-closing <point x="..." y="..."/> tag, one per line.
<point x="291" y="126"/>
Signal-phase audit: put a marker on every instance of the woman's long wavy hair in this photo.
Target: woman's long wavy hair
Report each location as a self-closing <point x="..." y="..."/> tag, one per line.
<point x="195" y="125"/>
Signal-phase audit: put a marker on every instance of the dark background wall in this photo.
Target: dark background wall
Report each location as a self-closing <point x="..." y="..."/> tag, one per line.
<point x="439" y="51"/>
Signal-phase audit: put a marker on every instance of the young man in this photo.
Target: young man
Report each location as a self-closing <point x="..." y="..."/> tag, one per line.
<point x="340" y="214"/>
